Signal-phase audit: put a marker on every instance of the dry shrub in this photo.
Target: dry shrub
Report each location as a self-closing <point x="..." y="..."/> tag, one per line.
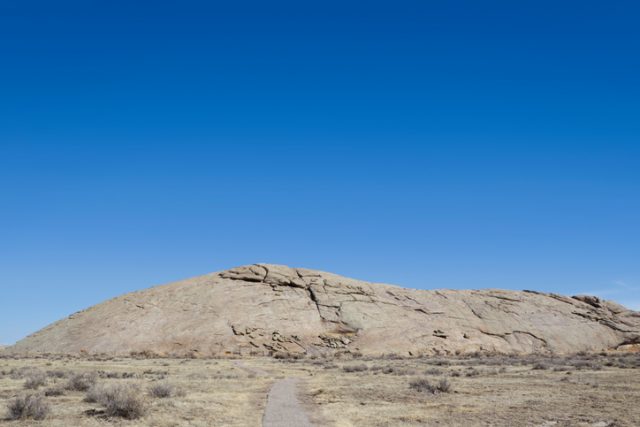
<point x="35" y="380"/>
<point x="585" y="364"/>
<point x="57" y="373"/>
<point x="22" y="372"/>
<point x="424" y="385"/>
<point x="398" y="371"/>
<point x="355" y="368"/>
<point x="54" y="391"/>
<point x="145" y="354"/>
<point x="96" y="393"/>
<point x="391" y="356"/>
<point x="284" y="355"/>
<point x="165" y="390"/>
<point x="82" y="382"/>
<point x="119" y="400"/>
<point x="472" y="372"/>
<point x="32" y="406"/>
<point x="627" y="361"/>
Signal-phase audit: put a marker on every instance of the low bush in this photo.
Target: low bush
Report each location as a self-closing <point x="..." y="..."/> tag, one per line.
<point x="120" y="400"/>
<point x="398" y="371"/>
<point x="585" y="364"/>
<point x="281" y="355"/>
<point x="54" y="391"/>
<point x="164" y="390"/>
<point x="472" y="372"/>
<point x="32" y="406"/>
<point x="82" y="382"/>
<point x="426" y="386"/>
<point x="35" y="380"/>
<point x="57" y="373"/>
<point x="355" y="368"/>
<point x="96" y="394"/>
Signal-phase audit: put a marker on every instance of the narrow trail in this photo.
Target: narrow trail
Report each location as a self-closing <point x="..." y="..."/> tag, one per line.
<point x="283" y="407"/>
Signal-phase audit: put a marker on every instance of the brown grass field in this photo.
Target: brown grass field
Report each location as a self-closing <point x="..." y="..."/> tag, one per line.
<point x="580" y="390"/>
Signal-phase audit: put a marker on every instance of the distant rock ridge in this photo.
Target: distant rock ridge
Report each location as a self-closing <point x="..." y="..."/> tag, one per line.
<point x="264" y="309"/>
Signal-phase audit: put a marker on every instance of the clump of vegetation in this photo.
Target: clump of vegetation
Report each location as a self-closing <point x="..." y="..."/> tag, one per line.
<point x="35" y="380"/>
<point x="283" y="355"/>
<point x="32" y="406"/>
<point x="145" y="354"/>
<point x="54" y="391"/>
<point x="82" y="382"/>
<point x="57" y="373"/>
<point x="391" y="356"/>
<point x="355" y="368"/>
<point x="96" y="393"/>
<point x="120" y="400"/>
<point x="398" y="371"/>
<point x="472" y="372"/>
<point x="23" y="372"/>
<point x="328" y="364"/>
<point x="433" y="371"/>
<point x="426" y="386"/>
<point x="580" y="364"/>
<point x="540" y="366"/>
<point x="628" y="361"/>
<point x="164" y="390"/>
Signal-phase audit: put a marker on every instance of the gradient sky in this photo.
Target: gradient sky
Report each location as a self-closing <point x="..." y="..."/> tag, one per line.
<point x="450" y="144"/>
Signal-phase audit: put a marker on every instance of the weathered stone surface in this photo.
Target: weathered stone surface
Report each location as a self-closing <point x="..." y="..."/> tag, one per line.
<point x="266" y="309"/>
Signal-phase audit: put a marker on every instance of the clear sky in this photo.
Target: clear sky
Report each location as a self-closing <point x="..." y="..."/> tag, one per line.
<point x="449" y="144"/>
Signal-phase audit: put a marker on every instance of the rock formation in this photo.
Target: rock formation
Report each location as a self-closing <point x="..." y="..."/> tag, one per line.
<point x="267" y="309"/>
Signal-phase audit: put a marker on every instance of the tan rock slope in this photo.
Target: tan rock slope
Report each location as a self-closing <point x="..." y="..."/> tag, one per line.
<point x="265" y="309"/>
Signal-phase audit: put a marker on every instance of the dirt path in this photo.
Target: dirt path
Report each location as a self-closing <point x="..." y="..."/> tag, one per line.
<point x="283" y="407"/>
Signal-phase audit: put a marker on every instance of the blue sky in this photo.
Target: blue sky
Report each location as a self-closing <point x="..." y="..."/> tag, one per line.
<point x="429" y="144"/>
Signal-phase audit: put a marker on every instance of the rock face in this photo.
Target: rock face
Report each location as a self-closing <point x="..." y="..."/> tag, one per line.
<point x="266" y="309"/>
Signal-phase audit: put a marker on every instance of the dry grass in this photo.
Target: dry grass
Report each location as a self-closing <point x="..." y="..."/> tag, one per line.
<point x="80" y="392"/>
<point x="578" y="390"/>
<point x="486" y="390"/>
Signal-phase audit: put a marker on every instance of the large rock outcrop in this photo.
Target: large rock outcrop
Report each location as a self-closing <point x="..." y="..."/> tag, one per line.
<point x="265" y="309"/>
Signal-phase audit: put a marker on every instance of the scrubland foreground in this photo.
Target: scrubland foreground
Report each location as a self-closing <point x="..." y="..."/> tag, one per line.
<point x="578" y="390"/>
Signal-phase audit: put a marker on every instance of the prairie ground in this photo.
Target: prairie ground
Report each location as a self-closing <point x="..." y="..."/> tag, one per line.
<point x="580" y="390"/>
